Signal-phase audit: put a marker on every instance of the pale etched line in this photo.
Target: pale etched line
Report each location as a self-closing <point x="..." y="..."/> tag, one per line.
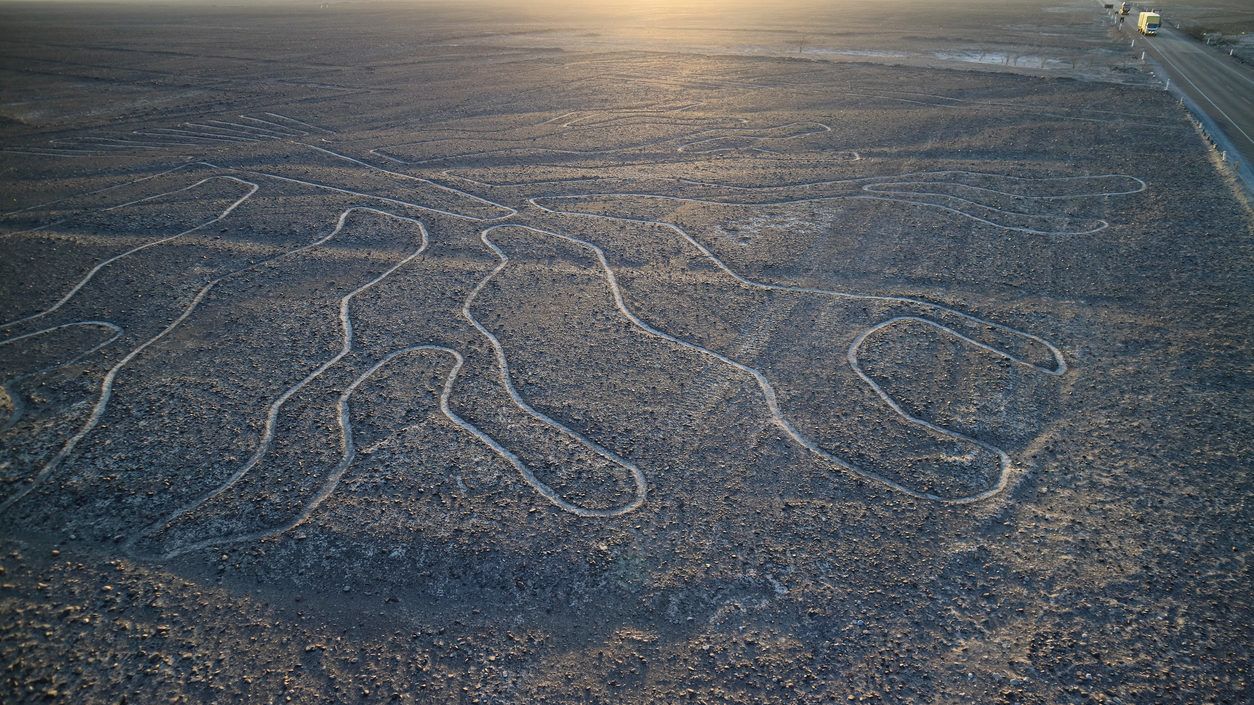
<point x="388" y="157"/>
<point x="250" y="129"/>
<point x="231" y="132"/>
<point x="336" y="189"/>
<point x="428" y="182"/>
<point x="291" y="130"/>
<point x="1000" y="106"/>
<point x="83" y="144"/>
<point x="768" y="390"/>
<point x="508" y="184"/>
<point x="756" y="138"/>
<point x="525" y="148"/>
<point x="69" y="154"/>
<point x="348" y="454"/>
<point x="94" y="270"/>
<point x="272" y="413"/>
<point x="107" y="383"/>
<point x="149" y="142"/>
<point x="1118" y="113"/>
<point x="904" y="187"/>
<point x="877" y="180"/>
<point x="1060" y="364"/>
<point x="545" y="150"/>
<point x="211" y="131"/>
<point x="195" y="135"/>
<point x="106" y="143"/>
<point x="516" y="140"/>
<point x="1003" y="459"/>
<point x="301" y="123"/>
<point x="1102" y="224"/>
<point x="170" y="141"/>
<point x="559" y="117"/>
<point x="503" y="365"/>
<point x="91" y="193"/>
<point x="19" y="407"/>
<point x="167" y="132"/>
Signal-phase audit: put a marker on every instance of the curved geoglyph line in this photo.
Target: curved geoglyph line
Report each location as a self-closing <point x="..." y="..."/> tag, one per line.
<point x="575" y="124"/>
<point x="923" y="177"/>
<point x="348" y="453"/>
<point x="428" y="182"/>
<point x="1059" y="362"/>
<point x="19" y="407"/>
<point x="770" y="395"/>
<point x="348" y="449"/>
<point x="252" y="189"/>
<point x="892" y="196"/>
<point x="94" y="192"/>
<point x="205" y="133"/>
<point x="884" y="186"/>
<point x="106" y="385"/>
<point x="768" y="391"/>
<point x="346" y="347"/>
<point x="641" y="485"/>
<point x="752" y="138"/>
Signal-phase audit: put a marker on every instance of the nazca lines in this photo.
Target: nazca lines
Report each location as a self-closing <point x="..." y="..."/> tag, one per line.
<point x="347" y="446"/>
<point x="897" y="191"/>
<point x="768" y="390"/>
<point x="716" y="139"/>
<point x="348" y="451"/>
<point x="243" y="129"/>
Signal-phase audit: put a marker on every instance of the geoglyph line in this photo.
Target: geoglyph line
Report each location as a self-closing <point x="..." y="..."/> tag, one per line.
<point x="348" y="453"/>
<point x="348" y="449"/>
<point x="428" y="182"/>
<point x="293" y="132"/>
<point x="1060" y="365"/>
<point x="190" y="134"/>
<point x="824" y="127"/>
<point x="19" y="407"/>
<point x="894" y="196"/>
<point x="252" y="188"/>
<point x="895" y="188"/>
<point x="301" y="123"/>
<point x="250" y="129"/>
<point x="346" y="327"/>
<point x="768" y="390"/>
<point x="346" y="347"/>
<point x="106" y="384"/>
<point x="349" y="192"/>
<point x="507" y="382"/>
<point x="609" y="117"/>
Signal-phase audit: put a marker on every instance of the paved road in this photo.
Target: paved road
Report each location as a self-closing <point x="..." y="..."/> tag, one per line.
<point x="1219" y="85"/>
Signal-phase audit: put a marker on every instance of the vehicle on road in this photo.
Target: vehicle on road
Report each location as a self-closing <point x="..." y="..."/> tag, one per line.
<point x="1148" y="23"/>
<point x="1125" y="8"/>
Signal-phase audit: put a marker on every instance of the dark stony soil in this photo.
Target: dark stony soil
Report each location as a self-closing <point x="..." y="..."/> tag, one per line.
<point x="469" y="354"/>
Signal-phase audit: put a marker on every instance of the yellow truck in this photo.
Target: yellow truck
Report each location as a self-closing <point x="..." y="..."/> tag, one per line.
<point x="1148" y="23"/>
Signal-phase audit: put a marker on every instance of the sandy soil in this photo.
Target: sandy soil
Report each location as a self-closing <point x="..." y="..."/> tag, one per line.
<point x="366" y="353"/>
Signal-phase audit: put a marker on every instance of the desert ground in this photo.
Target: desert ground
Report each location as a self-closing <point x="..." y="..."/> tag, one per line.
<point x="661" y="353"/>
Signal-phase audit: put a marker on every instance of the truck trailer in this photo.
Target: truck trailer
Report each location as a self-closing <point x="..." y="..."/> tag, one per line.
<point x="1148" y="23"/>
